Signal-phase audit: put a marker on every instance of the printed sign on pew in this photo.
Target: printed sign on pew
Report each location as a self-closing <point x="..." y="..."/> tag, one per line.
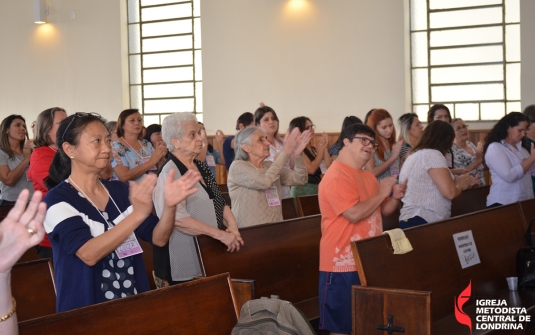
<point x="466" y="249"/>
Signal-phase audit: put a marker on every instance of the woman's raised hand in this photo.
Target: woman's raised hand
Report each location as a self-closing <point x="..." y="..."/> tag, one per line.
<point x="302" y="142"/>
<point x="325" y="139"/>
<point x="21" y="229"/>
<point x="396" y="148"/>
<point x="140" y="195"/>
<point x="175" y="191"/>
<point x="479" y="150"/>
<point x="291" y="139"/>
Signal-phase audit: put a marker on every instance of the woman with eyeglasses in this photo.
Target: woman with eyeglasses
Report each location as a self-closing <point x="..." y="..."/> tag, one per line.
<point x="431" y="186"/>
<point x="45" y="130"/>
<point x="94" y="225"/>
<point x="15" y="153"/>
<point x="465" y="154"/>
<point x="266" y="118"/>
<point x="254" y="183"/>
<point x="133" y="156"/>
<point x="316" y="157"/>
<point x="510" y="165"/>
<point x="385" y="162"/>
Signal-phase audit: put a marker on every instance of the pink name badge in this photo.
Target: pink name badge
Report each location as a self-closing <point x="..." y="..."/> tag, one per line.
<point x="145" y="160"/>
<point x="210" y="160"/>
<point x="394" y="168"/>
<point x="129" y="247"/>
<point x="273" y="196"/>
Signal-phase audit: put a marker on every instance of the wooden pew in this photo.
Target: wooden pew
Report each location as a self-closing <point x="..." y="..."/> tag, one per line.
<point x="32" y="284"/>
<point x="418" y="288"/>
<point x="308" y="205"/>
<point x="289" y="211"/>
<point x="528" y="211"/>
<point x="222" y="187"/>
<point x="282" y="258"/>
<point x="471" y="200"/>
<point x="204" y="306"/>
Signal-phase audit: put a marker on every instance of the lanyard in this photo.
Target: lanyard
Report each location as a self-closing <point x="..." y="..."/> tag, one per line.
<point x="110" y="225"/>
<point x="134" y="150"/>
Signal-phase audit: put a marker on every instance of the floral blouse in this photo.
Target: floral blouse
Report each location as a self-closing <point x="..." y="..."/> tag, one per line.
<point x="462" y="159"/>
<point x="124" y="155"/>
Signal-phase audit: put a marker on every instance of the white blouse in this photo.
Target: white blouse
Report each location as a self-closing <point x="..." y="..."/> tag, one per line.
<point x="509" y="181"/>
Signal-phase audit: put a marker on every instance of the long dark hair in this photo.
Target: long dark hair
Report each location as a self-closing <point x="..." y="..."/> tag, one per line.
<point x="4" y="137"/>
<point x="69" y="131"/>
<point x="438" y="136"/>
<point x="499" y="131"/>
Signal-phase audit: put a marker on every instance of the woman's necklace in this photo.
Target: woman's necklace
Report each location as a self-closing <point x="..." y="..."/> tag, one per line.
<point x="137" y="153"/>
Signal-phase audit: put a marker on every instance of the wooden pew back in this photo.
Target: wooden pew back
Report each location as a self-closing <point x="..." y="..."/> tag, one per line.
<point x="32" y="284"/>
<point x="471" y="200"/>
<point x="434" y="265"/>
<point x="308" y="205"/>
<point x="282" y="258"/>
<point x="289" y="211"/>
<point x="528" y="211"/>
<point x="204" y="306"/>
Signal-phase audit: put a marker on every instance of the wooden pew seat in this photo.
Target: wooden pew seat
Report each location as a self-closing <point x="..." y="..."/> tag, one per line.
<point x="432" y="272"/>
<point x="282" y="258"/>
<point x="204" y="306"/>
<point x="32" y="284"/>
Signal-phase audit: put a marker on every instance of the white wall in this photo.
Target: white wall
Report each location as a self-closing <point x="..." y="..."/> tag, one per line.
<point x="72" y="63"/>
<point x="326" y="61"/>
<point x="331" y="59"/>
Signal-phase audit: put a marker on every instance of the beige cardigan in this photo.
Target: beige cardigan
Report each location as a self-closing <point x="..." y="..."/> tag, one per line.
<point x="247" y="185"/>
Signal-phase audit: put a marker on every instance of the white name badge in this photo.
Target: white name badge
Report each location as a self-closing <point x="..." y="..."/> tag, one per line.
<point x="323" y="167"/>
<point x="273" y="196"/>
<point x="129" y="247"/>
<point x="210" y="160"/>
<point x="394" y="169"/>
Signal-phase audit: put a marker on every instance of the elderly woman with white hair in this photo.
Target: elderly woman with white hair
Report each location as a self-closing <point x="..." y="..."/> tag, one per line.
<point x="204" y="212"/>
<point x="255" y="184"/>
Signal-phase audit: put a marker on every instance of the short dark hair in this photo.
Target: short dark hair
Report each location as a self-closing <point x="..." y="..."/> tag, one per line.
<point x="438" y="136"/>
<point x="499" y="131"/>
<point x="45" y="121"/>
<point x="246" y="119"/>
<point x="153" y="128"/>
<point x="122" y="119"/>
<point x="69" y="131"/>
<point x="348" y="120"/>
<point x="433" y="110"/>
<point x="351" y="131"/>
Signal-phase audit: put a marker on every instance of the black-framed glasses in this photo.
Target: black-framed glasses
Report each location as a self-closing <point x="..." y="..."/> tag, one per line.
<point x="366" y="141"/>
<point x="79" y="114"/>
<point x="310" y="127"/>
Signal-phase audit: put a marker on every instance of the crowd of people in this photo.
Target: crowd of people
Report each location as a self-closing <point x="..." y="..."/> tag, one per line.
<point x="107" y="184"/>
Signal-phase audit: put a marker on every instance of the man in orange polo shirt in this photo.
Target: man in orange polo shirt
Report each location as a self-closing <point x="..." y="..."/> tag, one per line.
<point x="351" y="203"/>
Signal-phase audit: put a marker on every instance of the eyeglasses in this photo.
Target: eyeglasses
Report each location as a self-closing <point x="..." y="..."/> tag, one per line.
<point x="80" y="114"/>
<point x="464" y="126"/>
<point x="366" y="141"/>
<point x="310" y="127"/>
